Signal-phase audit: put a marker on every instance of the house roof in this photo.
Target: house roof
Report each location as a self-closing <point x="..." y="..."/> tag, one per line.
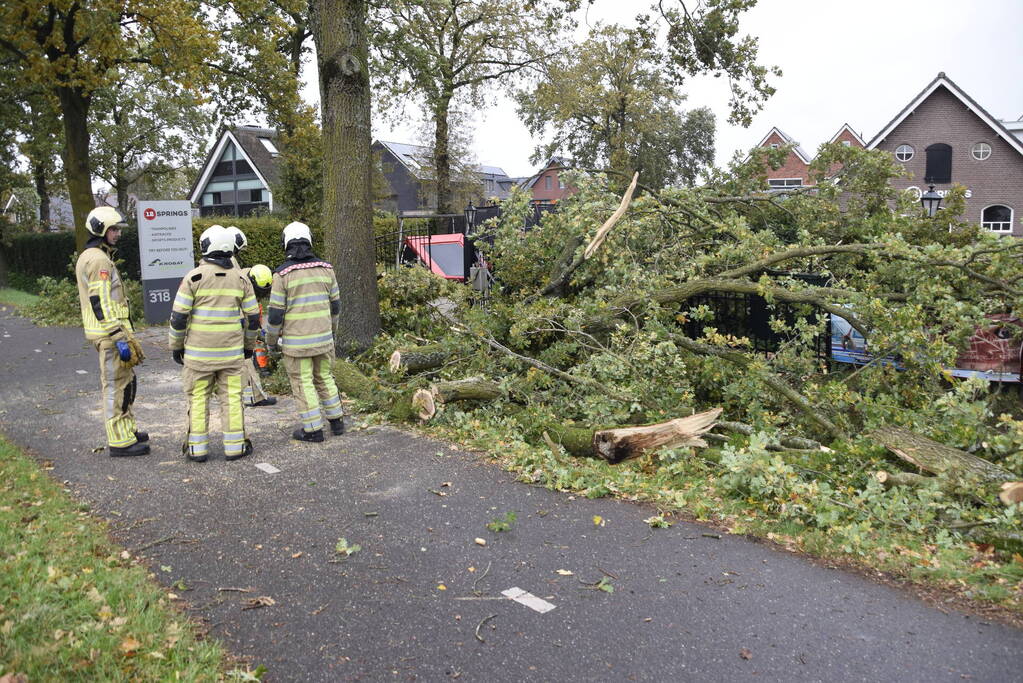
<point x="847" y="127"/>
<point x="943" y="81"/>
<point x="553" y="162"/>
<point x="416" y="158"/>
<point x="247" y="140"/>
<point x="800" y="152"/>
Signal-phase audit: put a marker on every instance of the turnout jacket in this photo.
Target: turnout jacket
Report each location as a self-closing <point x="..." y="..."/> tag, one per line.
<point x="304" y="307"/>
<point x="101" y="296"/>
<point x="205" y="318"/>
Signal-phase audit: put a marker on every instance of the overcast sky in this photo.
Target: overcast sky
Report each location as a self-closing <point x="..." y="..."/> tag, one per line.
<point x="842" y="62"/>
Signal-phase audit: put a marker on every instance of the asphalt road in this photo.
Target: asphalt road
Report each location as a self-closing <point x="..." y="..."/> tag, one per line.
<point x="421" y="599"/>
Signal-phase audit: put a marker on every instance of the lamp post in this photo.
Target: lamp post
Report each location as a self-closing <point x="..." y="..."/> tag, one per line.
<point x="470" y="217"/>
<point x="931" y="201"/>
<point x="468" y="248"/>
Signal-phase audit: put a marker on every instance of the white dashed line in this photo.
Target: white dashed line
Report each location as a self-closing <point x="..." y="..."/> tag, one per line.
<point x="267" y="467"/>
<point x="82" y="372"/>
<point x="528" y="599"/>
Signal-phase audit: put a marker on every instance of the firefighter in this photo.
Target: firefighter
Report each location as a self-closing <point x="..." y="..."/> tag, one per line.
<point x="303" y="313"/>
<point x="207" y="340"/>
<point x="253" y="393"/>
<point x="107" y="324"/>
<point x="241" y="243"/>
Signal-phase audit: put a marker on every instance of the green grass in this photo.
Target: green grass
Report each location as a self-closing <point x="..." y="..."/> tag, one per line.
<point x="16" y="297"/>
<point x="73" y="606"/>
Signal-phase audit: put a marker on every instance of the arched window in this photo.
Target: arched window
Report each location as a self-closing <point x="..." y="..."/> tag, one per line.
<point x="904" y="152"/>
<point x="997" y="218"/>
<point x="939" y="164"/>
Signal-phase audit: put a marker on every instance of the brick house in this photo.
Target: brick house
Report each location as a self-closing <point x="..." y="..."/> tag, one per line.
<point x="943" y="137"/>
<point x="546" y="186"/>
<point x="795" y="171"/>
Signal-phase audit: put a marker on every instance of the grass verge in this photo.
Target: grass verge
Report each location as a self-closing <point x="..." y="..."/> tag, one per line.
<point x="16" y="297"/>
<point x="73" y="606"/>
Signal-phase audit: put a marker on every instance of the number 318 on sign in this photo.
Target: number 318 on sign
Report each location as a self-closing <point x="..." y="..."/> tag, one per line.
<point x="159" y="295"/>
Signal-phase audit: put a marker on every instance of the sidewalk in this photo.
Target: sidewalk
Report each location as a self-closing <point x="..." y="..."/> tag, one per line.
<point x="411" y="603"/>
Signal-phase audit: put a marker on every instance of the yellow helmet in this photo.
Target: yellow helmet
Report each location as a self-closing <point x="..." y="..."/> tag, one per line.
<point x="261" y="276"/>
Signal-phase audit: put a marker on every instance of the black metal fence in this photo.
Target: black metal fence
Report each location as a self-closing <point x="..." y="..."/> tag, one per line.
<point x="749" y="316"/>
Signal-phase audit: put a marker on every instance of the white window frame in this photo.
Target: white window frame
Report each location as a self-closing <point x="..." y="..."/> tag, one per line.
<point x="846" y="143"/>
<point x="1004" y="228"/>
<point x="898" y="151"/>
<point x="981" y="147"/>
<point x="270" y="146"/>
<point x="778" y="183"/>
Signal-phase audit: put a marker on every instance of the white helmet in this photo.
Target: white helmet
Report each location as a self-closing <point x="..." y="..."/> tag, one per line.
<point x="216" y="238"/>
<point x="240" y="240"/>
<point x="296" y="231"/>
<point x="102" y="218"/>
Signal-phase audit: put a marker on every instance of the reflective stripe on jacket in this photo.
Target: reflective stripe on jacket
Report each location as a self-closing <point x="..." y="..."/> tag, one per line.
<point x="101" y="295"/>
<point x="205" y="317"/>
<point x="303" y="310"/>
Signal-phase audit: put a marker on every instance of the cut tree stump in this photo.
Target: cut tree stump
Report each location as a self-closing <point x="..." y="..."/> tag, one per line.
<point x="1012" y="492"/>
<point x="625" y="443"/>
<point x="417" y="359"/>
<point x="937" y="458"/>
<point x="890" y="479"/>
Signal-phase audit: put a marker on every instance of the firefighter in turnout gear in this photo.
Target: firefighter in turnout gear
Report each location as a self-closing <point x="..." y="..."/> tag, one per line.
<point x="304" y="307"/>
<point x="107" y="324"/>
<point x="206" y="338"/>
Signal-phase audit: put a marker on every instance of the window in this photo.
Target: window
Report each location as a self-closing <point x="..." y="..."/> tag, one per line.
<point x="981" y="151"/>
<point x="939" y="163"/>
<point x="774" y="145"/>
<point x="216" y="198"/>
<point x="561" y="183"/>
<point x="904" y="153"/>
<point x="241" y="167"/>
<point x="548" y="183"/>
<point x="270" y="146"/>
<point x="846" y="143"/>
<point x="997" y="218"/>
<point x="255" y="195"/>
<point x="785" y="182"/>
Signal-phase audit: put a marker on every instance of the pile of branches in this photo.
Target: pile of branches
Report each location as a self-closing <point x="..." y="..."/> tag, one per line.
<point x="587" y="340"/>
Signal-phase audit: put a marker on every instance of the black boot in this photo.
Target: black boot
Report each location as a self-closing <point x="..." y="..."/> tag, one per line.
<point x="125" y="451"/>
<point x="185" y="450"/>
<point x="268" y="401"/>
<point x="302" y="435"/>
<point x="142" y="437"/>
<point x="337" y="426"/>
<point x="247" y="451"/>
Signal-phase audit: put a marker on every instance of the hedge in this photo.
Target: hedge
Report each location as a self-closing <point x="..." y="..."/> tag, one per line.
<point x="34" y="255"/>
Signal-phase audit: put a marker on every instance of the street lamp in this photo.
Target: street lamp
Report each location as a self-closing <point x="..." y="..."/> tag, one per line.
<point x="470" y="217"/>
<point x="931" y="201"/>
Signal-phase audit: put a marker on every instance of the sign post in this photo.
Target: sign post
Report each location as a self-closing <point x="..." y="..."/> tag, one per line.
<point x="165" y="251"/>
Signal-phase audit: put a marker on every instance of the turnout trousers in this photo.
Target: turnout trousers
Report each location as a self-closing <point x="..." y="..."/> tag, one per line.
<point x="252" y="388"/>
<point x="199" y="387"/>
<point x="312" y="384"/>
<point x="117" y="385"/>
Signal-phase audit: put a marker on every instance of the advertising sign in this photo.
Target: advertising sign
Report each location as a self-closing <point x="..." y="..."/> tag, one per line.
<point x="165" y="252"/>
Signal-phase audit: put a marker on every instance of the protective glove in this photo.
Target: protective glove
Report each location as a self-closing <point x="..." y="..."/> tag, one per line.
<point x="123" y="350"/>
<point x="248" y="353"/>
<point x="179" y="356"/>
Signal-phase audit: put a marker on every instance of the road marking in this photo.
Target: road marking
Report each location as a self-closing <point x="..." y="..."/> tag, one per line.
<point x="82" y="372"/>
<point x="267" y="467"/>
<point x="528" y="599"/>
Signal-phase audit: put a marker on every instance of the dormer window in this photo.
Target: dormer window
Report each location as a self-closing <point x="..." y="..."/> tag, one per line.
<point x="939" y="164"/>
<point x="270" y="146"/>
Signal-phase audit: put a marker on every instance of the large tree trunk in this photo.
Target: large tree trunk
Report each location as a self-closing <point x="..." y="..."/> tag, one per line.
<point x="74" y="109"/>
<point x="343" y="60"/>
<point x="442" y="155"/>
<point x="937" y="458"/>
<point x="417" y="359"/>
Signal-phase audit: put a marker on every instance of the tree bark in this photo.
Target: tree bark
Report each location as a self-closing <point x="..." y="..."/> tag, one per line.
<point x="419" y="358"/>
<point x="468" y="389"/>
<point x="343" y="60"/>
<point x="937" y="458"/>
<point x="39" y="175"/>
<point x="890" y="479"/>
<point x="74" y="109"/>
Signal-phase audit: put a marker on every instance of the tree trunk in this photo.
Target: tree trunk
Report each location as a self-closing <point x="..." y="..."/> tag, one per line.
<point x="419" y="358"/>
<point x="937" y="458"/>
<point x="468" y="389"/>
<point x="74" y="109"/>
<point x="442" y="155"/>
<point x="39" y="174"/>
<point x="342" y="57"/>
<point x="626" y="443"/>
<point x="890" y="479"/>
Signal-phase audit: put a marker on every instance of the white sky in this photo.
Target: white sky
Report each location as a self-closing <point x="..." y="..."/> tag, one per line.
<point x="843" y="62"/>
